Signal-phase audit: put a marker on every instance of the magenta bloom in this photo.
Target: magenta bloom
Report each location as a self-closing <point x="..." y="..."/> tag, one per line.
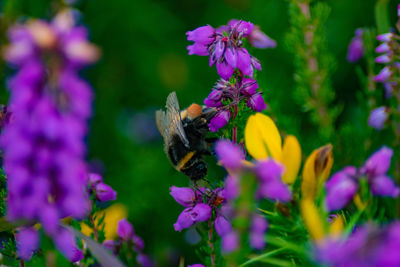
<point x="383" y="75"/>
<point x="356" y="47"/>
<point x="224" y="47"/>
<point x="229" y="154"/>
<point x="219" y="120"/>
<point x="259" y="39"/>
<point x="105" y="192"/>
<point x="378" y="117"/>
<point x="259" y="226"/>
<point x="183" y="195"/>
<point x="269" y="173"/>
<point x="125" y="229"/>
<point x="199" y="213"/>
<point x="256" y="102"/>
<point x="341" y="188"/>
<point x="230" y="242"/>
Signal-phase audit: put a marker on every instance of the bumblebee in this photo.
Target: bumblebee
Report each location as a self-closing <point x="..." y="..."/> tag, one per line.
<point x="184" y="134"/>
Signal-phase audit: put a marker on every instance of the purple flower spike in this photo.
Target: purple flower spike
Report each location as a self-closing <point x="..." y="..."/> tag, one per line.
<point x="230" y="242"/>
<point x="378" y="117"/>
<point x="219" y="120"/>
<point x="125" y="229"/>
<point x="378" y="163"/>
<point x="356" y="47"/>
<point x="383" y="75"/>
<point x="341" y="188"/>
<point x="229" y="154"/>
<point x="257" y="232"/>
<point x="256" y="103"/>
<point x="65" y="242"/>
<point x="204" y="35"/>
<point x="27" y="242"/>
<point x="222" y="226"/>
<point x="105" y="192"/>
<point x="183" y="195"/>
<point x="269" y="173"/>
<point x="260" y="40"/>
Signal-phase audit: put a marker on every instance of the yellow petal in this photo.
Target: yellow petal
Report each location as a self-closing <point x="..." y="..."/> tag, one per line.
<point x="262" y="138"/>
<point x="316" y="170"/>
<point x="114" y="214"/>
<point x="336" y="227"/>
<point x="312" y="219"/>
<point x="291" y="159"/>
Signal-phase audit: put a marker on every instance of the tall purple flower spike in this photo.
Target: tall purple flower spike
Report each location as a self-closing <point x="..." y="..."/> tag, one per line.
<point x="44" y="147"/>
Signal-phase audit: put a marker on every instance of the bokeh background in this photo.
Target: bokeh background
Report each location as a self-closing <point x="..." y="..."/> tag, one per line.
<point x="144" y="58"/>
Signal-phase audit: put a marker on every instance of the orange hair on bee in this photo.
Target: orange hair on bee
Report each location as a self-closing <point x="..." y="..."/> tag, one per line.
<point x="194" y="111"/>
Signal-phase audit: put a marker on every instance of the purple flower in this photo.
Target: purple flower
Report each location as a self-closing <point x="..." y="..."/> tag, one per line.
<point x="95" y="179"/>
<point x="27" y="242"/>
<point x="219" y="120"/>
<point x="257" y="232"/>
<point x="214" y="99"/>
<point x="222" y="225"/>
<point x="378" y="163"/>
<point x="224" y="47"/>
<point x="199" y="213"/>
<point x="383" y="75"/>
<point x="269" y="173"/>
<point x="341" y="188"/>
<point x="44" y="145"/>
<point x="356" y="47"/>
<point x="383" y="48"/>
<point x="105" y="192"/>
<point x="386" y="37"/>
<point x="144" y="260"/>
<point x="378" y="117"/>
<point x="229" y="154"/>
<point x="125" y="229"/>
<point x="383" y="59"/>
<point x="367" y="246"/>
<point x="183" y="195"/>
<point x="196" y="265"/>
<point x="230" y="242"/>
<point x="259" y="39"/>
<point x="231" y="187"/>
<point x="256" y="102"/>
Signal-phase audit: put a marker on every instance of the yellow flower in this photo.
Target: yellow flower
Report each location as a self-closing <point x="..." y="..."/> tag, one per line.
<point x="114" y="213"/>
<point x="336" y="227"/>
<point x="262" y="140"/>
<point x="316" y="170"/>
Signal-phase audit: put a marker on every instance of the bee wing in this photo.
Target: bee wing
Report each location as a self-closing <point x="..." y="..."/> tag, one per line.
<point x="170" y="122"/>
<point x="174" y="118"/>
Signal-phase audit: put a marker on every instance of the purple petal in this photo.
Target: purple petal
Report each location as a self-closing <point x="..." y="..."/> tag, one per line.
<point x="231" y="56"/>
<point x="244" y="63"/>
<point x="204" y="35"/>
<point x="95" y="179"/>
<point x="229" y="154"/>
<point x="378" y="117"/>
<point x="105" y="192"/>
<point x="49" y="218"/>
<point x="222" y="226"/>
<point x="259" y="224"/>
<point x="65" y="242"/>
<point x="248" y="86"/>
<point x="257" y="240"/>
<point x="27" y="240"/>
<point x="219" y="120"/>
<point x="230" y="242"/>
<point x="340" y="190"/>
<point x="201" y="212"/>
<point x="269" y="170"/>
<point x="183" y="195"/>
<point x="383" y="59"/>
<point x="125" y="229"/>
<point x="256" y="102"/>
<point x="383" y="75"/>
<point x="275" y="190"/>
<point x="386" y="37"/>
<point x="383" y="48"/>
<point x="378" y="163"/>
<point x="224" y="70"/>
<point x="219" y="49"/>
<point x="260" y="40"/>
<point x="356" y="47"/>
<point x="184" y="220"/>
<point x="197" y="49"/>
<point x="214" y="99"/>
<point x="383" y="186"/>
<point x="231" y="187"/>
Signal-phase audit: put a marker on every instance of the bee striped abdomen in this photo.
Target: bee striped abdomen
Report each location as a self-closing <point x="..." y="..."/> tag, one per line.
<point x="184" y="163"/>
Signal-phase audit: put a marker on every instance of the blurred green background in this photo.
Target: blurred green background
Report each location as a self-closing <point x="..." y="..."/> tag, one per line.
<point x="144" y="58"/>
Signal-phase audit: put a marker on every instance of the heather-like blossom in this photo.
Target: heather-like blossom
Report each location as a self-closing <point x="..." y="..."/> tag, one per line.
<point x="369" y="245"/>
<point x="230" y="242"/>
<point x="27" y="242"/>
<point x="128" y="238"/>
<point x="44" y="146"/>
<point x="224" y="46"/>
<point x="102" y="191"/>
<point x="378" y="117"/>
<point x="343" y="185"/>
<point x="244" y="89"/>
<point x="356" y="47"/>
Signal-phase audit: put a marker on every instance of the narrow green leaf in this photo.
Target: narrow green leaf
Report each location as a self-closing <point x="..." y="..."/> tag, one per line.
<point x="262" y="256"/>
<point x="382" y="16"/>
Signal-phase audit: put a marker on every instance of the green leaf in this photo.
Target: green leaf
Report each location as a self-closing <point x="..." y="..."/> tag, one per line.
<point x="382" y="16"/>
<point x="262" y="256"/>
